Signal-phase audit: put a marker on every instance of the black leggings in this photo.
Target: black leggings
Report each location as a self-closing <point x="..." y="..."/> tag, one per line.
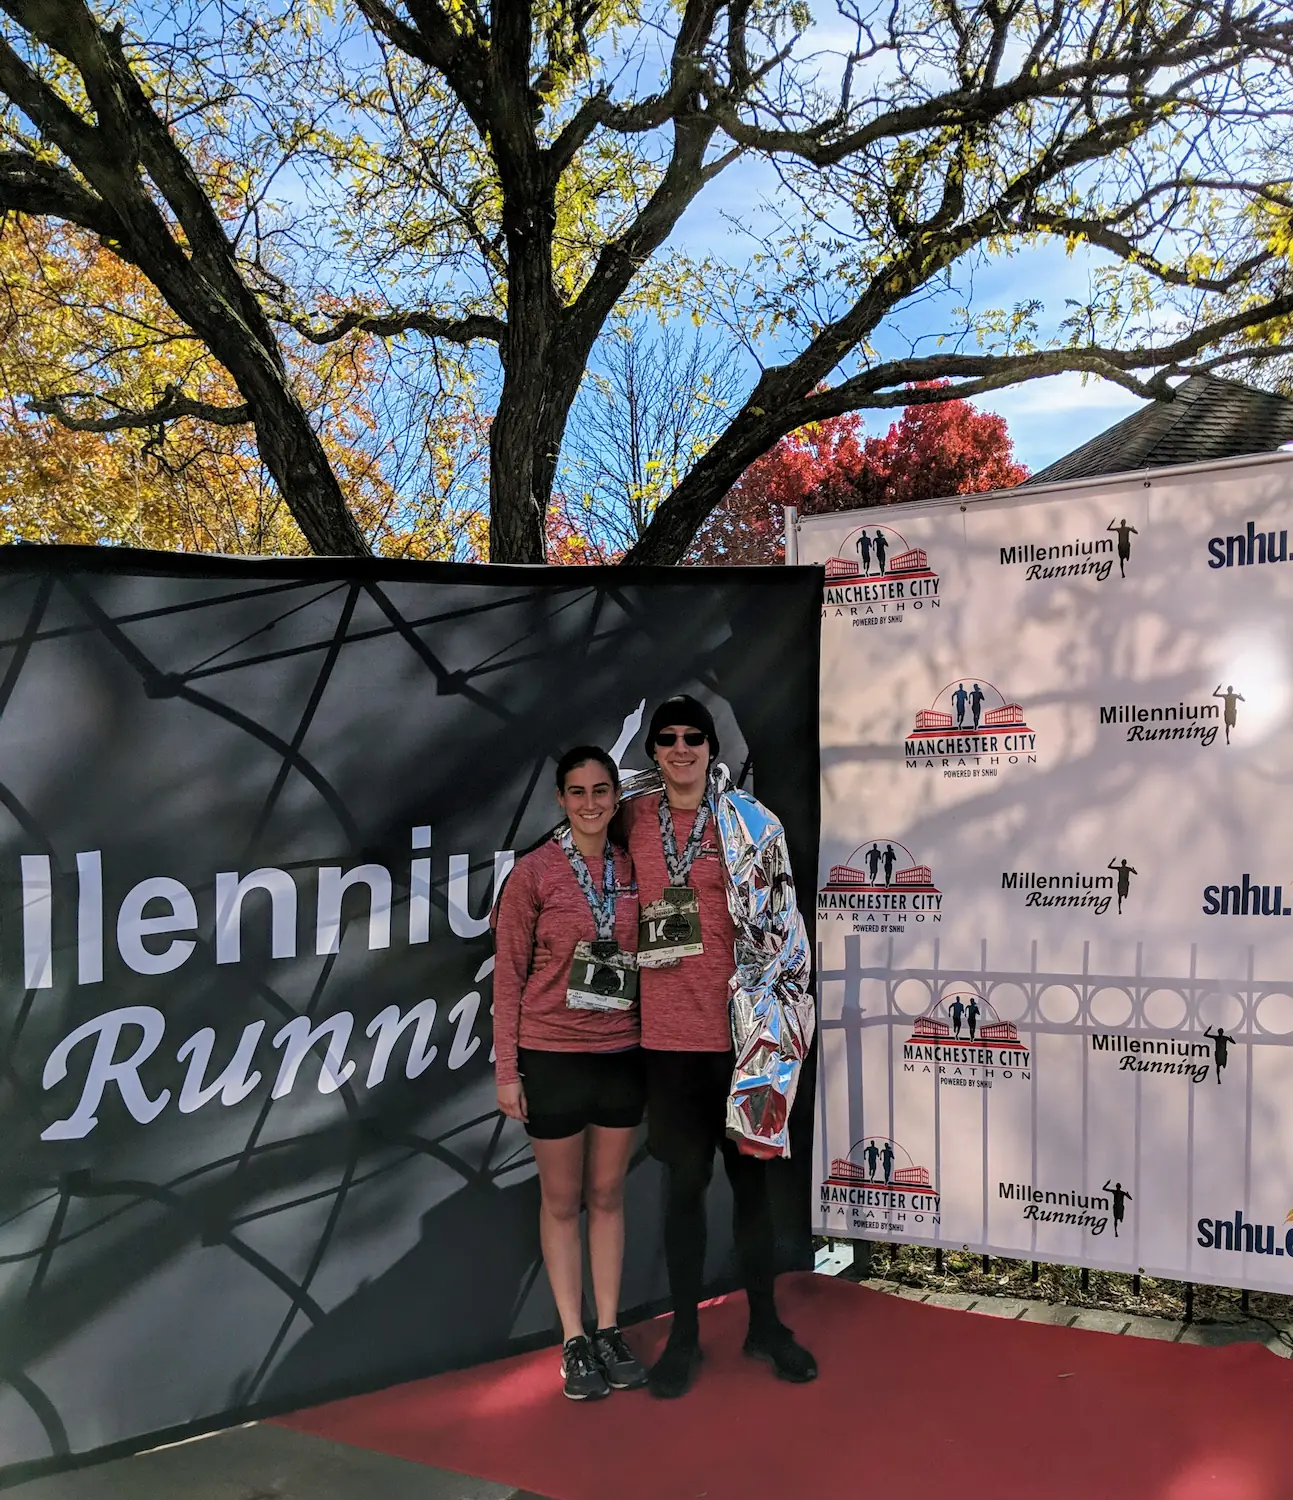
<point x="688" y="1176"/>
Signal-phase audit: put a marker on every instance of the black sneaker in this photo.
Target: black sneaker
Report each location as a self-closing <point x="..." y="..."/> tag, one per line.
<point x="584" y="1378"/>
<point x="777" y="1347"/>
<point x="621" y="1367"/>
<point x="672" y="1374"/>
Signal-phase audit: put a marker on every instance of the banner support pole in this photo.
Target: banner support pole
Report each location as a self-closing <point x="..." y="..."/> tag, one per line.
<point x="790" y="517"/>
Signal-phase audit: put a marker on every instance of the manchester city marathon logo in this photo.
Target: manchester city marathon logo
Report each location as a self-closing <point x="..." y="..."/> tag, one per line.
<point x="876" y="578"/>
<point x="964" y="1043"/>
<point x="1083" y="557"/>
<point x="880" y="888"/>
<point x="879" y="1186"/>
<point x="970" y="730"/>
<point x="1198" y="721"/>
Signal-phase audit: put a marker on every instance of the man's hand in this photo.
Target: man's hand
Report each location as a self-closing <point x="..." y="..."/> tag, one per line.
<point x="511" y="1101"/>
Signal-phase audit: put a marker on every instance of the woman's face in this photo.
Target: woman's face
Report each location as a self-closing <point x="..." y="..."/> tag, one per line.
<point x="683" y="766"/>
<point x="589" y="797"/>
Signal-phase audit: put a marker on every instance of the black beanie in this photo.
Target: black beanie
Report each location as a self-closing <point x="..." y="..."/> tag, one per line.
<point x="683" y="709"/>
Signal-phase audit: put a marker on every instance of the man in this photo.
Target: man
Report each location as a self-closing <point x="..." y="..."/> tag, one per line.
<point x="1121" y="1198"/>
<point x="687" y="1042"/>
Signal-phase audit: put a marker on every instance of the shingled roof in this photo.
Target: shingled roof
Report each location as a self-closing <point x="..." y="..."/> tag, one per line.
<point x="1206" y="418"/>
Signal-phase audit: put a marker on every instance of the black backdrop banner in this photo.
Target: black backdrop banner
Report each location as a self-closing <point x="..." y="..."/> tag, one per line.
<point x="252" y="814"/>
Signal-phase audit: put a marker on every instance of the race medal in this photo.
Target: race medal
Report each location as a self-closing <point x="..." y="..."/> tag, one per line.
<point x="669" y="929"/>
<point x="602" y="977"/>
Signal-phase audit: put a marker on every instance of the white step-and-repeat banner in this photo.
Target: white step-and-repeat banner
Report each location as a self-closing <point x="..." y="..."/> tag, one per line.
<point x="1055" y="905"/>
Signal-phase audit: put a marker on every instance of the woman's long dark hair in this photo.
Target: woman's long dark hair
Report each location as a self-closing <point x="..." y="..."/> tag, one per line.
<point x="578" y="756"/>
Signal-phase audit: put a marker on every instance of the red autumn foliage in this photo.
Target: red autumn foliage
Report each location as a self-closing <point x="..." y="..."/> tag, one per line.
<point x="942" y="448"/>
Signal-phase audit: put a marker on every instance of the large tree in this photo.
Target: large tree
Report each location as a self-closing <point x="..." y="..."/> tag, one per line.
<point x="507" y="176"/>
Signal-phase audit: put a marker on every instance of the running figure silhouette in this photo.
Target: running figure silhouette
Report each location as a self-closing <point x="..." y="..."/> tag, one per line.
<point x="957" y="1012"/>
<point x="972" y="1015"/>
<point x="890" y="859"/>
<point x="1231" y="698"/>
<point x="959" y="699"/>
<point x="1220" y="1049"/>
<point x="976" y="703"/>
<point x="1125" y="872"/>
<point x="1121" y="1197"/>
<point x="1125" y="534"/>
<point x="871" y="1154"/>
<point x="873" y="861"/>
<point x="864" y="552"/>
<point x="886" y="1156"/>
<point x="881" y="547"/>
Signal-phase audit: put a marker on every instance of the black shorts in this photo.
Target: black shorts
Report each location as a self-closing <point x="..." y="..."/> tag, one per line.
<point x="687" y="1103"/>
<point x="566" y="1091"/>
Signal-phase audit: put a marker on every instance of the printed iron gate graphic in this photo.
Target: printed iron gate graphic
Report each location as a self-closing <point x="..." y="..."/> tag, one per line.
<point x="1111" y="1018"/>
<point x="252" y="815"/>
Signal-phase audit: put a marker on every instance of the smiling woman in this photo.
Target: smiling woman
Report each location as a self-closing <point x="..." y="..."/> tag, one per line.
<point x="567" y="1059"/>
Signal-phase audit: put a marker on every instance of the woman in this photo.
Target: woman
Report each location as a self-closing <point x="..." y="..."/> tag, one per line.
<point x="567" y="1059"/>
<point x="686" y="958"/>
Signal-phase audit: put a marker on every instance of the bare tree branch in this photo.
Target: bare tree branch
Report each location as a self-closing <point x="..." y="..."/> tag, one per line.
<point x="172" y="406"/>
<point x="465" y="330"/>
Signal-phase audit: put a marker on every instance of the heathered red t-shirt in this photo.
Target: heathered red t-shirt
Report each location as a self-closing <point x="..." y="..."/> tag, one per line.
<point x="684" y="1008"/>
<point x="543" y="907"/>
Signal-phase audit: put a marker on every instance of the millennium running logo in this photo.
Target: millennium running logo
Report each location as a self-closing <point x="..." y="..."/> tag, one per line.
<point x="879" y="1186"/>
<point x="1092" y="557"/>
<point x="1196" y="723"/>
<point x="1249" y="548"/>
<point x="1069" y="1207"/>
<point x="880" y="888"/>
<point x="963" y="1042"/>
<point x="1190" y="1058"/>
<point x="1243" y="1237"/>
<point x="1081" y="890"/>
<point x="876" y="578"/>
<point x="970" y="730"/>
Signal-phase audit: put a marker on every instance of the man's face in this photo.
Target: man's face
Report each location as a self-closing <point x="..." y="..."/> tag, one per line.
<point x="682" y="764"/>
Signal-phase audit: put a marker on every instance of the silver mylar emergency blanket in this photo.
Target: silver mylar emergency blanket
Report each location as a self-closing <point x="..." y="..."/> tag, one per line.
<point x="772" y="1006"/>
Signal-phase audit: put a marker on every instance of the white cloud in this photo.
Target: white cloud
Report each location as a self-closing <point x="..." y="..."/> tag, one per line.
<point x="1049" y="418"/>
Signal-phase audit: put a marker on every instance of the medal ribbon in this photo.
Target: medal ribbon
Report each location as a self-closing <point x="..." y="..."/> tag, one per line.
<point x="603" y="906"/>
<point x="680" y="869"/>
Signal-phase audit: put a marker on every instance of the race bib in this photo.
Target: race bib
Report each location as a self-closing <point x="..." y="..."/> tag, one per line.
<point x="669" y="929"/>
<point x="602" y="977"/>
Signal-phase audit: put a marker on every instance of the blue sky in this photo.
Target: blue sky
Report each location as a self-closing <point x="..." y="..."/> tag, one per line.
<point x="1046" y="418"/>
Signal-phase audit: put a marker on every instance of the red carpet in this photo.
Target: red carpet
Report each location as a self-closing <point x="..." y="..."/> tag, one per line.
<point x="913" y="1401"/>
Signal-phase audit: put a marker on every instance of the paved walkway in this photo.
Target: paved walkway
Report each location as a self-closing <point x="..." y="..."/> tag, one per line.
<point x="263" y="1462"/>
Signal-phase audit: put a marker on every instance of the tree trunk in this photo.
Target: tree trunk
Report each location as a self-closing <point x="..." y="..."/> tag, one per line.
<point x="518" y="501"/>
<point x="520" y="469"/>
<point x="290" y="447"/>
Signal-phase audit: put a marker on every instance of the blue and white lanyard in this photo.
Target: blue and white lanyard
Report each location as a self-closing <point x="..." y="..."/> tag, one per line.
<point x="603" y="906"/>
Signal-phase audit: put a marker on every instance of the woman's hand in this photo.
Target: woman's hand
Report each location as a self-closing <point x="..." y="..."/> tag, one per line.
<point x="511" y="1101"/>
<point x="541" y="959"/>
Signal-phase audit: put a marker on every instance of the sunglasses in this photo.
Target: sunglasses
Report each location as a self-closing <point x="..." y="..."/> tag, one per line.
<point x="690" y="737"/>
